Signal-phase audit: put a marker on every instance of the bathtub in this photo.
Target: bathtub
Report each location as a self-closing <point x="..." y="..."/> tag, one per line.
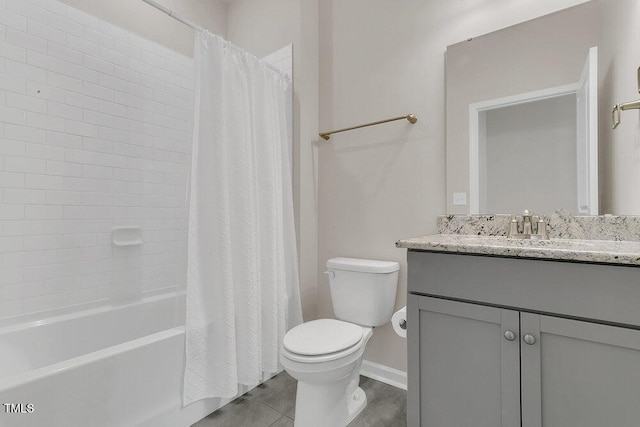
<point x="109" y="366"/>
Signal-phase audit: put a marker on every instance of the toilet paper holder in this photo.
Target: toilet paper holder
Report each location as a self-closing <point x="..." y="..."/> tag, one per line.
<point x="399" y="322"/>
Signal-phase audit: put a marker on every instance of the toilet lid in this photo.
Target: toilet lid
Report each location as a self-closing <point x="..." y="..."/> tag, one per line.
<point x="322" y="336"/>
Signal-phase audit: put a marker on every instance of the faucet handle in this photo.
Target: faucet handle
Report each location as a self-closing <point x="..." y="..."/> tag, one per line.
<point x="526" y="222"/>
<point x="542" y="229"/>
<point x="513" y="226"/>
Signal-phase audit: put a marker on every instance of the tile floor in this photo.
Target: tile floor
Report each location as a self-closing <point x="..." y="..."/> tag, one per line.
<point x="272" y="405"/>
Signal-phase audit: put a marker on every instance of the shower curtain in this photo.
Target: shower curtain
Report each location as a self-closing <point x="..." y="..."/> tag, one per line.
<point x="242" y="281"/>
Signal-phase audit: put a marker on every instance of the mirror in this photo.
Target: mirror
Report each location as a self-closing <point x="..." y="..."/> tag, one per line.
<point x="529" y="114"/>
<point x="546" y="134"/>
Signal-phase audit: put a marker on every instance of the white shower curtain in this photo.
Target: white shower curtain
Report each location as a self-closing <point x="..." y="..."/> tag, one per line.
<point x="242" y="284"/>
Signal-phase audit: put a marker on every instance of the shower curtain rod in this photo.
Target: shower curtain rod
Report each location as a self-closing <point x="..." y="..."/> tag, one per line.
<point x="169" y="12"/>
<point x="163" y="9"/>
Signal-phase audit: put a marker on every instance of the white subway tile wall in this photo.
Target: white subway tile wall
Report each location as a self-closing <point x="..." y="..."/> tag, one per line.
<point x="95" y="132"/>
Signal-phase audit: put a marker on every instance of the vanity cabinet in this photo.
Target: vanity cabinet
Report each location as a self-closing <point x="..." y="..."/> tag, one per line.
<point x="486" y="350"/>
<point x="464" y="372"/>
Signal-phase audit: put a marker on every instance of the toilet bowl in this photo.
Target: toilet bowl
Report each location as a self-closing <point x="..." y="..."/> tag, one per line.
<point x="328" y="392"/>
<point x="325" y="355"/>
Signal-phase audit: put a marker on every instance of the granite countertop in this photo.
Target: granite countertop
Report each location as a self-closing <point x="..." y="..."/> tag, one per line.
<point x="598" y="251"/>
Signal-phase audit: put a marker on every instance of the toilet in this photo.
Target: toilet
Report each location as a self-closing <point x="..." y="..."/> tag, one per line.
<point x="325" y="355"/>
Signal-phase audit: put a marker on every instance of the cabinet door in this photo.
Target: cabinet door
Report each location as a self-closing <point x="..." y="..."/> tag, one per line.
<point x="579" y="374"/>
<point x="464" y="372"/>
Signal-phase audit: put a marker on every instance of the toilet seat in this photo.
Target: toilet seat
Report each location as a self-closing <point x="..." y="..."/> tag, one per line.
<point x="322" y="340"/>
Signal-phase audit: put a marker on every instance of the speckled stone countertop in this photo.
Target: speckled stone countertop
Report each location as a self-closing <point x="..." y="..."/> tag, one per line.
<point x="600" y="251"/>
<point x="600" y="239"/>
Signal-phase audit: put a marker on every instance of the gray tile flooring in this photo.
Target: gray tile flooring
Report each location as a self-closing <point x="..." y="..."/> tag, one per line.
<point x="272" y="404"/>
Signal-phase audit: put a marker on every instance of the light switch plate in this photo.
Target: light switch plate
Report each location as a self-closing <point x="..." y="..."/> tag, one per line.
<point x="459" y="199"/>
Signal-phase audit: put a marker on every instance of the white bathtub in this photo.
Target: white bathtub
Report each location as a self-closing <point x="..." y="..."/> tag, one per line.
<point x="113" y="366"/>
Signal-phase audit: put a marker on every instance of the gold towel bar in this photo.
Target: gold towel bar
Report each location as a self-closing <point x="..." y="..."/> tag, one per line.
<point x="634" y="105"/>
<point x="615" y="114"/>
<point x="410" y="117"/>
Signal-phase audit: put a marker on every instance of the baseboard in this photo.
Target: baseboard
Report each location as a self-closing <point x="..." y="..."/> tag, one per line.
<point x="384" y="374"/>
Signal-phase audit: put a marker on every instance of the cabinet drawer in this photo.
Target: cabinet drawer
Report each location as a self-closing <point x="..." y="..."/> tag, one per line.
<point x="604" y="293"/>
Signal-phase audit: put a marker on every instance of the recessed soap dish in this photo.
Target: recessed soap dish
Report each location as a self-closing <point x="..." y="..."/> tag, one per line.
<point x="130" y="235"/>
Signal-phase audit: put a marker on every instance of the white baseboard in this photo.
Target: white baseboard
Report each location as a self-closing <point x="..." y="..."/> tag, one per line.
<point x="384" y="374"/>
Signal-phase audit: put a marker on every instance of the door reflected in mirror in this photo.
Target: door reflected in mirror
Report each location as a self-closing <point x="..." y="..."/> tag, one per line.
<point x="523" y="151"/>
<point x="537" y="149"/>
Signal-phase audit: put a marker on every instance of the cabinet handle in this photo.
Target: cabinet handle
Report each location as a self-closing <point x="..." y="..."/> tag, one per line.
<point x="510" y="335"/>
<point x="529" y="339"/>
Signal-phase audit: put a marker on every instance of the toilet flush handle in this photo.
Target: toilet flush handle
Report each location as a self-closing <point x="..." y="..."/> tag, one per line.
<point x="330" y="273"/>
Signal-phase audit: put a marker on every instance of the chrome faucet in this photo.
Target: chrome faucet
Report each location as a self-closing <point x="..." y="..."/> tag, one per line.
<point x="528" y="226"/>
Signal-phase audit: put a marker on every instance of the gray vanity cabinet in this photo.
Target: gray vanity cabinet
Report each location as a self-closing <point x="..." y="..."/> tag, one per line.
<point x="478" y="362"/>
<point x="467" y="374"/>
<point x="579" y="374"/>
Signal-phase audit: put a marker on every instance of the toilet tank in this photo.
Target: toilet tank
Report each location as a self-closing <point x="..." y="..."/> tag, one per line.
<point x="363" y="291"/>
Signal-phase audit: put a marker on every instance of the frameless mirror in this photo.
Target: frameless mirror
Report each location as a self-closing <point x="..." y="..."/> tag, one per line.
<point x="529" y="111"/>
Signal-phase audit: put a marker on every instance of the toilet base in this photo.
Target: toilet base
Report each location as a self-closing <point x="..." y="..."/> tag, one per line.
<point x="356" y="404"/>
<point x="321" y="406"/>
